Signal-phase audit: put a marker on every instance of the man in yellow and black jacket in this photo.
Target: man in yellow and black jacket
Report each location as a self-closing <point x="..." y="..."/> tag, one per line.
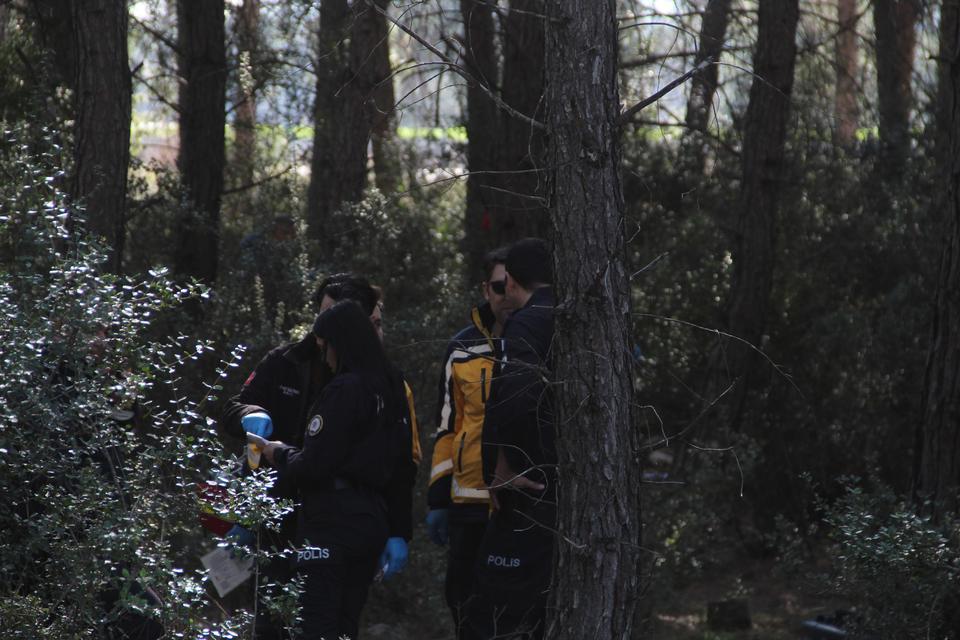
<point x="458" y="498"/>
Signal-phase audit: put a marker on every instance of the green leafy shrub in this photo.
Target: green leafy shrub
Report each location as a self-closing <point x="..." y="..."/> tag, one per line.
<point x="901" y="571"/>
<point x="102" y="443"/>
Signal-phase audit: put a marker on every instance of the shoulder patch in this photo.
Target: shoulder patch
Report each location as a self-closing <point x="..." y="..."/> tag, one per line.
<point x="315" y="426"/>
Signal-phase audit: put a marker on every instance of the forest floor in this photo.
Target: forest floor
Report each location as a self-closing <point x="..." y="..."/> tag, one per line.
<point x="778" y="603"/>
<point x="412" y="607"/>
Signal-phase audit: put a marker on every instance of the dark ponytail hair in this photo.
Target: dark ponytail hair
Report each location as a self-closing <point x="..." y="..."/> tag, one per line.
<point x="347" y="327"/>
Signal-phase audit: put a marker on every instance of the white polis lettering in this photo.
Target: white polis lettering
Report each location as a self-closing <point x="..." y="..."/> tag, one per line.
<point x="289" y="391"/>
<point x="501" y="561"/>
<point x="313" y="553"/>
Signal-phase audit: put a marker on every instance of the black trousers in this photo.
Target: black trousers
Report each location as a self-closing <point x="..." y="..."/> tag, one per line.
<point x="459" y="587"/>
<point x="342" y="533"/>
<point x="513" y="574"/>
<point x="333" y="597"/>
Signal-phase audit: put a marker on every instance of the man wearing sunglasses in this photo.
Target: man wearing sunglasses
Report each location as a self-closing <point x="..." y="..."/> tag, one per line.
<point x="458" y="498"/>
<point x="519" y="459"/>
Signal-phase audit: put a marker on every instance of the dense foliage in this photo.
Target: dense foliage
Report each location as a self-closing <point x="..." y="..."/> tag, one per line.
<point x="102" y="443"/>
<point x="109" y="384"/>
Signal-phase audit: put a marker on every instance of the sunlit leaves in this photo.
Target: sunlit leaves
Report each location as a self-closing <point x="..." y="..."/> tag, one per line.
<point x="102" y="443"/>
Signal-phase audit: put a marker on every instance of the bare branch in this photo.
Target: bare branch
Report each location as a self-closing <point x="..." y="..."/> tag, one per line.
<point x="458" y="69"/>
<point x="627" y="116"/>
<point x="257" y="183"/>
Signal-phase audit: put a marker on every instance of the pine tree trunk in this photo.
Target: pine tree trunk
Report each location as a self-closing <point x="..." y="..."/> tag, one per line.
<point x="895" y="27"/>
<point x="598" y="572"/>
<point x="937" y="455"/>
<point x="245" y="118"/>
<point x="339" y="164"/>
<point x="203" y="73"/>
<point x="521" y="210"/>
<point x="846" y="111"/>
<point x="481" y="121"/>
<point x="386" y="155"/>
<point x="758" y="206"/>
<point x="703" y="86"/>
<point x="89" y="41"/>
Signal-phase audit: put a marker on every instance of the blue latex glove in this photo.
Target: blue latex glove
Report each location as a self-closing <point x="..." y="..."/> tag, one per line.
<point x="438" y="526"/>
<point x="258" y="423"/>
<point x="241" y="536"/>
<point x="394" y="557"/>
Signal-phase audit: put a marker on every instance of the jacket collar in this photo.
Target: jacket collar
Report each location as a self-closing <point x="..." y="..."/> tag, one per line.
<point x="542" y="297"/>
<point x="483" y="319"/>
<point x="303" y="351"/>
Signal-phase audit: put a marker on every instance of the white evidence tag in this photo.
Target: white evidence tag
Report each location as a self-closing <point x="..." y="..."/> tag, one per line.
<point x="225" y="571"/>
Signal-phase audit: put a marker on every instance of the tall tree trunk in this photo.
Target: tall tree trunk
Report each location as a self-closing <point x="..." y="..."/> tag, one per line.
<point x="597" y="581"/>
<point x="482" y="119"/>
<point x="339" y="163"/>
<point x="89" y="40"/>
<point x="386" y="155"/>
<point x="4" y="21"/>
<point x="245" y="117"/>
<point x="937" y="455"/>
<point x="203" y="73"/>
<point x="895" y="27"/>
<point x="846" y="112"/>
<point x="703" y="86"/>
<point x="758" y="205"/>
<point x="521" y="208"/>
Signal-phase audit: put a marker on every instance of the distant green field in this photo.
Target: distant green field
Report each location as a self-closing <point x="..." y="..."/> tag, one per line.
<point x="168" y="129"/>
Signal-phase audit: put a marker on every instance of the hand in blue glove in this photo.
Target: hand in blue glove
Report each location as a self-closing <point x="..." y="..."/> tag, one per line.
<point x="394" y="557"/>
<point x="241" y="536"/>
<point x="438" y="527"/>
<point x="258" y="423"/>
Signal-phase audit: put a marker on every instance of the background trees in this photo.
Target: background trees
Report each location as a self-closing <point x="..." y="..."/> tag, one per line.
<point x="89" y="45"/>
<point x="202" y="65"/>
<point x="795" y="198"/>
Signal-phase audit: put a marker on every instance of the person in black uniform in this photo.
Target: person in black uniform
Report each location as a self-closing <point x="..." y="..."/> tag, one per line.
<point x="274" y="403"/>
<point x="352" y="442"/>
<point x="515" y="566"/>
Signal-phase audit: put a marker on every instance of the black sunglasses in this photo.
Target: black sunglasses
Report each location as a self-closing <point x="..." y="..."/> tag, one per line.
<point x="499" y="287"/>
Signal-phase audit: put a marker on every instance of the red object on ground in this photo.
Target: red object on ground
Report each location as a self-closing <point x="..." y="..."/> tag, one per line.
<point x="211" y="493"/>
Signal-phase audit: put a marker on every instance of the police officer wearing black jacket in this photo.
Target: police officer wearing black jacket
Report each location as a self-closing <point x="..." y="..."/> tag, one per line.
<point x="519" y="458"/>
<point x="342" y="473"/>
<point x="283" y="387"/>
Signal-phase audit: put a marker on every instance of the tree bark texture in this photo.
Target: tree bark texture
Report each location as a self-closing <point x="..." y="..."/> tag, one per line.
<point x="203" y="80"/>
<point x="703" y="86"/>
<point x="480" y="58"/>
<point x="245" y="118"/>
<point x="599" y="557"/>
<point x="386" y="155"/>
<point x="895" y="27"/>
<point x="846" y="111"/>
<point x="89" y="41"/>
<point x="937" y="468"/>
<point x="758" y="205"/>
<point x="521" y="208"/>
<point x="343" y="111"/>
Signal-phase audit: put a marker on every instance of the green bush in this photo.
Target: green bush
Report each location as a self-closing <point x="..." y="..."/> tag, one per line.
<point x="900" y="570"/>
<point x="101" y="443"/>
